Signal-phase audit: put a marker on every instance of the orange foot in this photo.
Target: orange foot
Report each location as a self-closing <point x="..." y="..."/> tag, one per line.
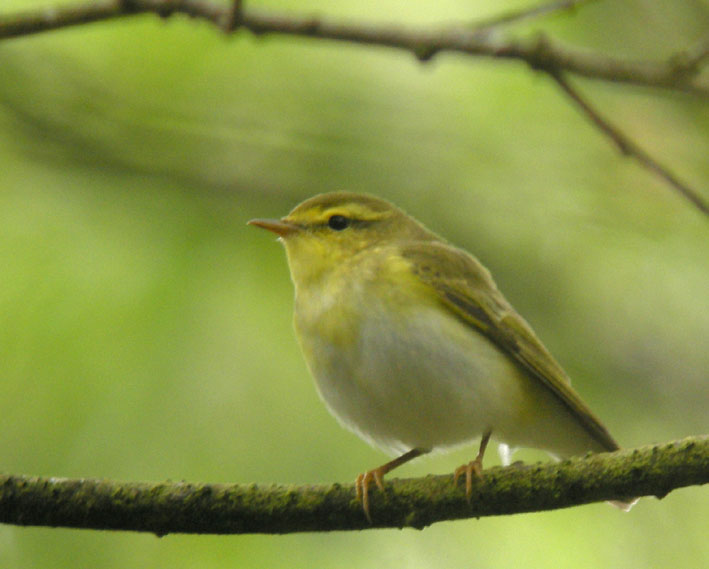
<point x="474" y="466"/>
<point x="364" y="481"/>
<point x="362" y="484"/>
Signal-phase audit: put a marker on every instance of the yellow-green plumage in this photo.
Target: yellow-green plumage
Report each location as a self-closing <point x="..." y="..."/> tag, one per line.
<point x="411" y="344"/>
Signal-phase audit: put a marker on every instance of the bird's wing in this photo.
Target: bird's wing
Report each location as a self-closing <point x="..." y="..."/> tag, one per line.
<point x="467" y="289"/>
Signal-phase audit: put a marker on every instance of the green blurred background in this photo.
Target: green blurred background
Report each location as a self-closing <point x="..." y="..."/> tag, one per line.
<point x="146" y="330"/>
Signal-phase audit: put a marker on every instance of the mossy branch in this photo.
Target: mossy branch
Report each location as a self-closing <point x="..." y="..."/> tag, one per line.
<point x="181" y="507"/>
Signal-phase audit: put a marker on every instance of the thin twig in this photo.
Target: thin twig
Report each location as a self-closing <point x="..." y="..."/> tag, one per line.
<point x="235" y="17"/>
<point x="515" y="16"/>
<point x="627" y="146"/>
<point x="181" y="507"/>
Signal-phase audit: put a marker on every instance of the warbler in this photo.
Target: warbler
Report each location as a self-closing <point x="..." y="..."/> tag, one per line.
<point x="413" y="347"/>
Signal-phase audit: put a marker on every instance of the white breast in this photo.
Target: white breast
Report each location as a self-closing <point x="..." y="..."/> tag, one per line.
<point x="424" y="379"/>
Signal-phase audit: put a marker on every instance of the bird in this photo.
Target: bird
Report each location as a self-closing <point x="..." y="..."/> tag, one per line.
<point x="413" y="347"/>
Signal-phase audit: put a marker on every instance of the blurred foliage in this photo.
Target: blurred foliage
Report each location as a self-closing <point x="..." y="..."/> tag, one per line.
<point x="146" y="331"/>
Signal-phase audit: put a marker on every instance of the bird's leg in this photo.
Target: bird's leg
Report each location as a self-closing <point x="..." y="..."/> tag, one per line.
<point x="475" y="466"/>
<point x="363" y="481"/>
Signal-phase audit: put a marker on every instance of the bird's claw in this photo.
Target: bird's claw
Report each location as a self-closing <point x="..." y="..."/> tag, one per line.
<point x="473" y="467"/>
<point x="362" y="484"/>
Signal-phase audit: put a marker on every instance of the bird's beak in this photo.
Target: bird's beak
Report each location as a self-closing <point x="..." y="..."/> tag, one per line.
<point x="277" y="226"/>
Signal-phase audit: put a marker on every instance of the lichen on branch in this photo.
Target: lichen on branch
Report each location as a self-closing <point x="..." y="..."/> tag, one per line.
<point x="182" y="507"/>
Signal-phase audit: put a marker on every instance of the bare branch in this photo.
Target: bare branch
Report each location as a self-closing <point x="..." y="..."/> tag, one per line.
<point x="235" y="17"/>
<point x="540" y="54"/>
<point x="628" y="147"/>
<point x="180" y="507"/>
<point x="681" y="72"/>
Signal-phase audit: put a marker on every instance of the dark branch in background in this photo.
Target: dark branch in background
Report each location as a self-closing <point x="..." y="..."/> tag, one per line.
<point x="681" y="72"/>
<point x="626" y="145"/>
<point x="180" y="507"/>
<point x="235" y="17"/>
<point x="677" y="73"/>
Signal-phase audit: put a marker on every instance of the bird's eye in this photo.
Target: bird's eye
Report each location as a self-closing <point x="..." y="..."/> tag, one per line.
<point x="338" y="222"/>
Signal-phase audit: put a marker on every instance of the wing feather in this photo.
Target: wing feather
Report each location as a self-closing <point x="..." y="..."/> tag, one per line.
<point x="467" y="289"/>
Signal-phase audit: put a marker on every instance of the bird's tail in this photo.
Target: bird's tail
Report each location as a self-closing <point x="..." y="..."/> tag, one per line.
<point x="625" y="505"/>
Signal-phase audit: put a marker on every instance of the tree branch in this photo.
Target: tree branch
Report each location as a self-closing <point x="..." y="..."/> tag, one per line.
<point x="678" y="72"/>
<point x="180" y="507"/>
<point x="626" y="145"/>
<point x="682" y="71"/>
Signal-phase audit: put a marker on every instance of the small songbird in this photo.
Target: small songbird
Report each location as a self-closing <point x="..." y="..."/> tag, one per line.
<point x="412" y="346"/>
